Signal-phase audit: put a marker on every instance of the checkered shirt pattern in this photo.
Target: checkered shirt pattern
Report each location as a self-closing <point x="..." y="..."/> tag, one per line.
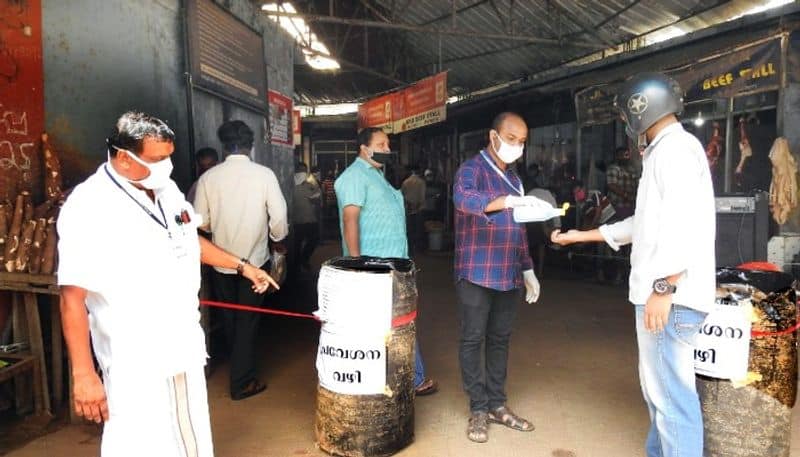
<point x="491" y="249"/>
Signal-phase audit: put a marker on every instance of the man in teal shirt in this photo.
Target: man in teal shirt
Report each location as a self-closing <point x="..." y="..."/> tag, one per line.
<point x="373" y="218"/>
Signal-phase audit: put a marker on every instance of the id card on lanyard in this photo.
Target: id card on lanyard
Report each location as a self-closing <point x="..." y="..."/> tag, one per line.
<point x="519" y="190"/>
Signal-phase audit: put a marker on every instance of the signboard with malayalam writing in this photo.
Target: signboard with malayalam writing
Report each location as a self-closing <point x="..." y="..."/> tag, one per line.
<point x="423" y="103"/>
<point x="227" y="56"/>
<point x="351" y="356"/>
<point x="377" y="113"/>
<point x="753" y="68"/>
<point x="280" y="118"/>
<point x="722" y="349"/>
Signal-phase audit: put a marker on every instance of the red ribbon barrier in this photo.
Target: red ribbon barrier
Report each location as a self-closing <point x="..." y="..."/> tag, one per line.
<point x="396" y="322"/>
<point x="789" y="330"/>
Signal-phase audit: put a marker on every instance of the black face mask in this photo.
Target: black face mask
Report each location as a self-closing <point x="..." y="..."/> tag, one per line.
<point x="383" y="158"/>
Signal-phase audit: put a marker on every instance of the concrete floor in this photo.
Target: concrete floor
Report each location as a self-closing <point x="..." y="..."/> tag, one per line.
<point x="572" y="371"/>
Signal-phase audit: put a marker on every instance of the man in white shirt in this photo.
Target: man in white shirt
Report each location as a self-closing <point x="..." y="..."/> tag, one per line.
<point x="242" y="205"/>
<point x="129" y="254"/>
<point x="672" y="280"/>
<point x="413" y="189"/>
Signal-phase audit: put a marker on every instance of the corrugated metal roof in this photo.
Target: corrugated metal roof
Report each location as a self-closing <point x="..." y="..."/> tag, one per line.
<point x="475" y="63"/>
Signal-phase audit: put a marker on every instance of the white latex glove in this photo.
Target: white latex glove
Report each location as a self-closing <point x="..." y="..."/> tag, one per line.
<point x="532" y="287"/>
<point x="514" y="201"/>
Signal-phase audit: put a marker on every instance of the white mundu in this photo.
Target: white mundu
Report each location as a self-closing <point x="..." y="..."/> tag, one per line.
<point x="139" y="261"/>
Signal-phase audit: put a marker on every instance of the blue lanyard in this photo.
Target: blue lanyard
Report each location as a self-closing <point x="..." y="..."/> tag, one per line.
<point x="146" y="209"/>
<point x="520" y="190"/>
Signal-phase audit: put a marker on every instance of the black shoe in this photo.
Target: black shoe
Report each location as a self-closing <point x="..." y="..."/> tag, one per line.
<point x="254" y="387"/>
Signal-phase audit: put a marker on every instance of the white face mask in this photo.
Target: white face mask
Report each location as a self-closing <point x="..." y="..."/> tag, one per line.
<point x="159" y="172"/>
<point x="508" y="153"/>
<point x="300" y="177"/>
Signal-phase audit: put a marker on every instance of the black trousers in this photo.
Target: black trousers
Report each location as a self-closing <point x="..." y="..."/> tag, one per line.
<point x="487" y="316"/>
<point x="241" y="327"/>
<point x="306" y="240"/>
<point x="415" y="232"/>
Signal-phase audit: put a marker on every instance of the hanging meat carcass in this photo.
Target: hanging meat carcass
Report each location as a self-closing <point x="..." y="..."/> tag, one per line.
<point x="714" y="147"/>
<point x="745" y="150"/>
<point x="783" y="189"/>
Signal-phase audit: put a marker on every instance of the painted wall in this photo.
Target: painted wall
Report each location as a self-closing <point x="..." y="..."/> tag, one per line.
<point x="104" y="57"/>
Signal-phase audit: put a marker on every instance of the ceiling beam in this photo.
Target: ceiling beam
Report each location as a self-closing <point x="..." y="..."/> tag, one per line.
<point x="458" y="11"/>
<point x="431" y="30"/>
<point x="361" y="68"/>
<point x="587" y="27"/>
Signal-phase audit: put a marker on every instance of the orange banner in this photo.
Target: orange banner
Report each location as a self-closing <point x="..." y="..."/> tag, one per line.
<point x="423" y="103"/>
<point x="377" y="113"/>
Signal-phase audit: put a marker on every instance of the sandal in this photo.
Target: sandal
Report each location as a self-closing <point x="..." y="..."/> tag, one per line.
<point x="505" y="416"/>
<point x="478" y="428"/>
<point x="254" y="387"/>
<point x="428" y="386"/>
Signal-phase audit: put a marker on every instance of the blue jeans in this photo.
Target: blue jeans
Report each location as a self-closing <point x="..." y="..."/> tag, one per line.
<point x="666" y="373"/>
<point x="419" y="368"/>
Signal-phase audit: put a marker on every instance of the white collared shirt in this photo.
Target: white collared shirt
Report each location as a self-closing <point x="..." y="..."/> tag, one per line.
<point x="674" y="226"/>
<point x="242" y="203"/>
<point x="142" y="278"/>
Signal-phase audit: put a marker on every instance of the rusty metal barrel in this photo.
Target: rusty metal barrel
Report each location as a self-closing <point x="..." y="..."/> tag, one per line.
<point x="752" y="417"/>
<point x="365" y="360"/>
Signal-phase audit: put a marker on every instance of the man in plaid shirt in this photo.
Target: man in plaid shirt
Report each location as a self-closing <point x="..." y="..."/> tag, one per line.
<point x="493" y="271"/>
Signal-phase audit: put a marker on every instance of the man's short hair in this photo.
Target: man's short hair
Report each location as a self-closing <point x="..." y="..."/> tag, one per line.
<point x="235" y="136"/>
<point x="300" y="167"/>
<point x="620" y="151"/>
<point x="207" y="153"/>
<point x="498" y="120"/>
<point x="365" y="135"/>
<point x="132" y="128"/>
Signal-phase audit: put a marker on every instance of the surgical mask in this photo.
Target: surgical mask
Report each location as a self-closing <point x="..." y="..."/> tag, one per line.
<point x="508" y="153"/>
<point x="159" y="172"/>
<point x="300" y="177"/>
<point x="382" y="157"/>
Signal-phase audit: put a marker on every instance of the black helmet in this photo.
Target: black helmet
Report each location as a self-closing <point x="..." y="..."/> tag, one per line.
<point x="645" y="98"/>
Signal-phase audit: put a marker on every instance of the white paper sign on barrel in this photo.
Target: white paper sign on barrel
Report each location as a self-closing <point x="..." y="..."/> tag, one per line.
<point x="352" y="365"/>
<point x="355" y="308"/>
<point x="354" y="301"/>
<point x="723" y="344"/>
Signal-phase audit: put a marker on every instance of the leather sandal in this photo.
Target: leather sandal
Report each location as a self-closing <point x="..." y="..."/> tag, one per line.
<point x="428" y="386"/>
<point x="503" y="415"/>
<point x="478" y="427"/>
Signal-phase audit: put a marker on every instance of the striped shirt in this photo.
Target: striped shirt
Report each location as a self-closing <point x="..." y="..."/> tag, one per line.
<point x="491" y="249"/>
<point x="382" y="221"/>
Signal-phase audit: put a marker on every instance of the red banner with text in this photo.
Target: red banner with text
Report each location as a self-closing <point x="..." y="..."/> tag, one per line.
<point x="377" y="113"/>
<point x="21" y="96"/>
<point x="280" y="118"/>
<point x="423" y="103"/>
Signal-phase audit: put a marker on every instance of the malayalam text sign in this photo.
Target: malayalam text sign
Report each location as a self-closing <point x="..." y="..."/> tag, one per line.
<point x="280" y="118"/>
<point x="227" y="56"/>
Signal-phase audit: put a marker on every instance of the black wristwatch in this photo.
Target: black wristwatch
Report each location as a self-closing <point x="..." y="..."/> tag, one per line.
<point x="240" y="267"/>
<point x="662" y="287"/>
